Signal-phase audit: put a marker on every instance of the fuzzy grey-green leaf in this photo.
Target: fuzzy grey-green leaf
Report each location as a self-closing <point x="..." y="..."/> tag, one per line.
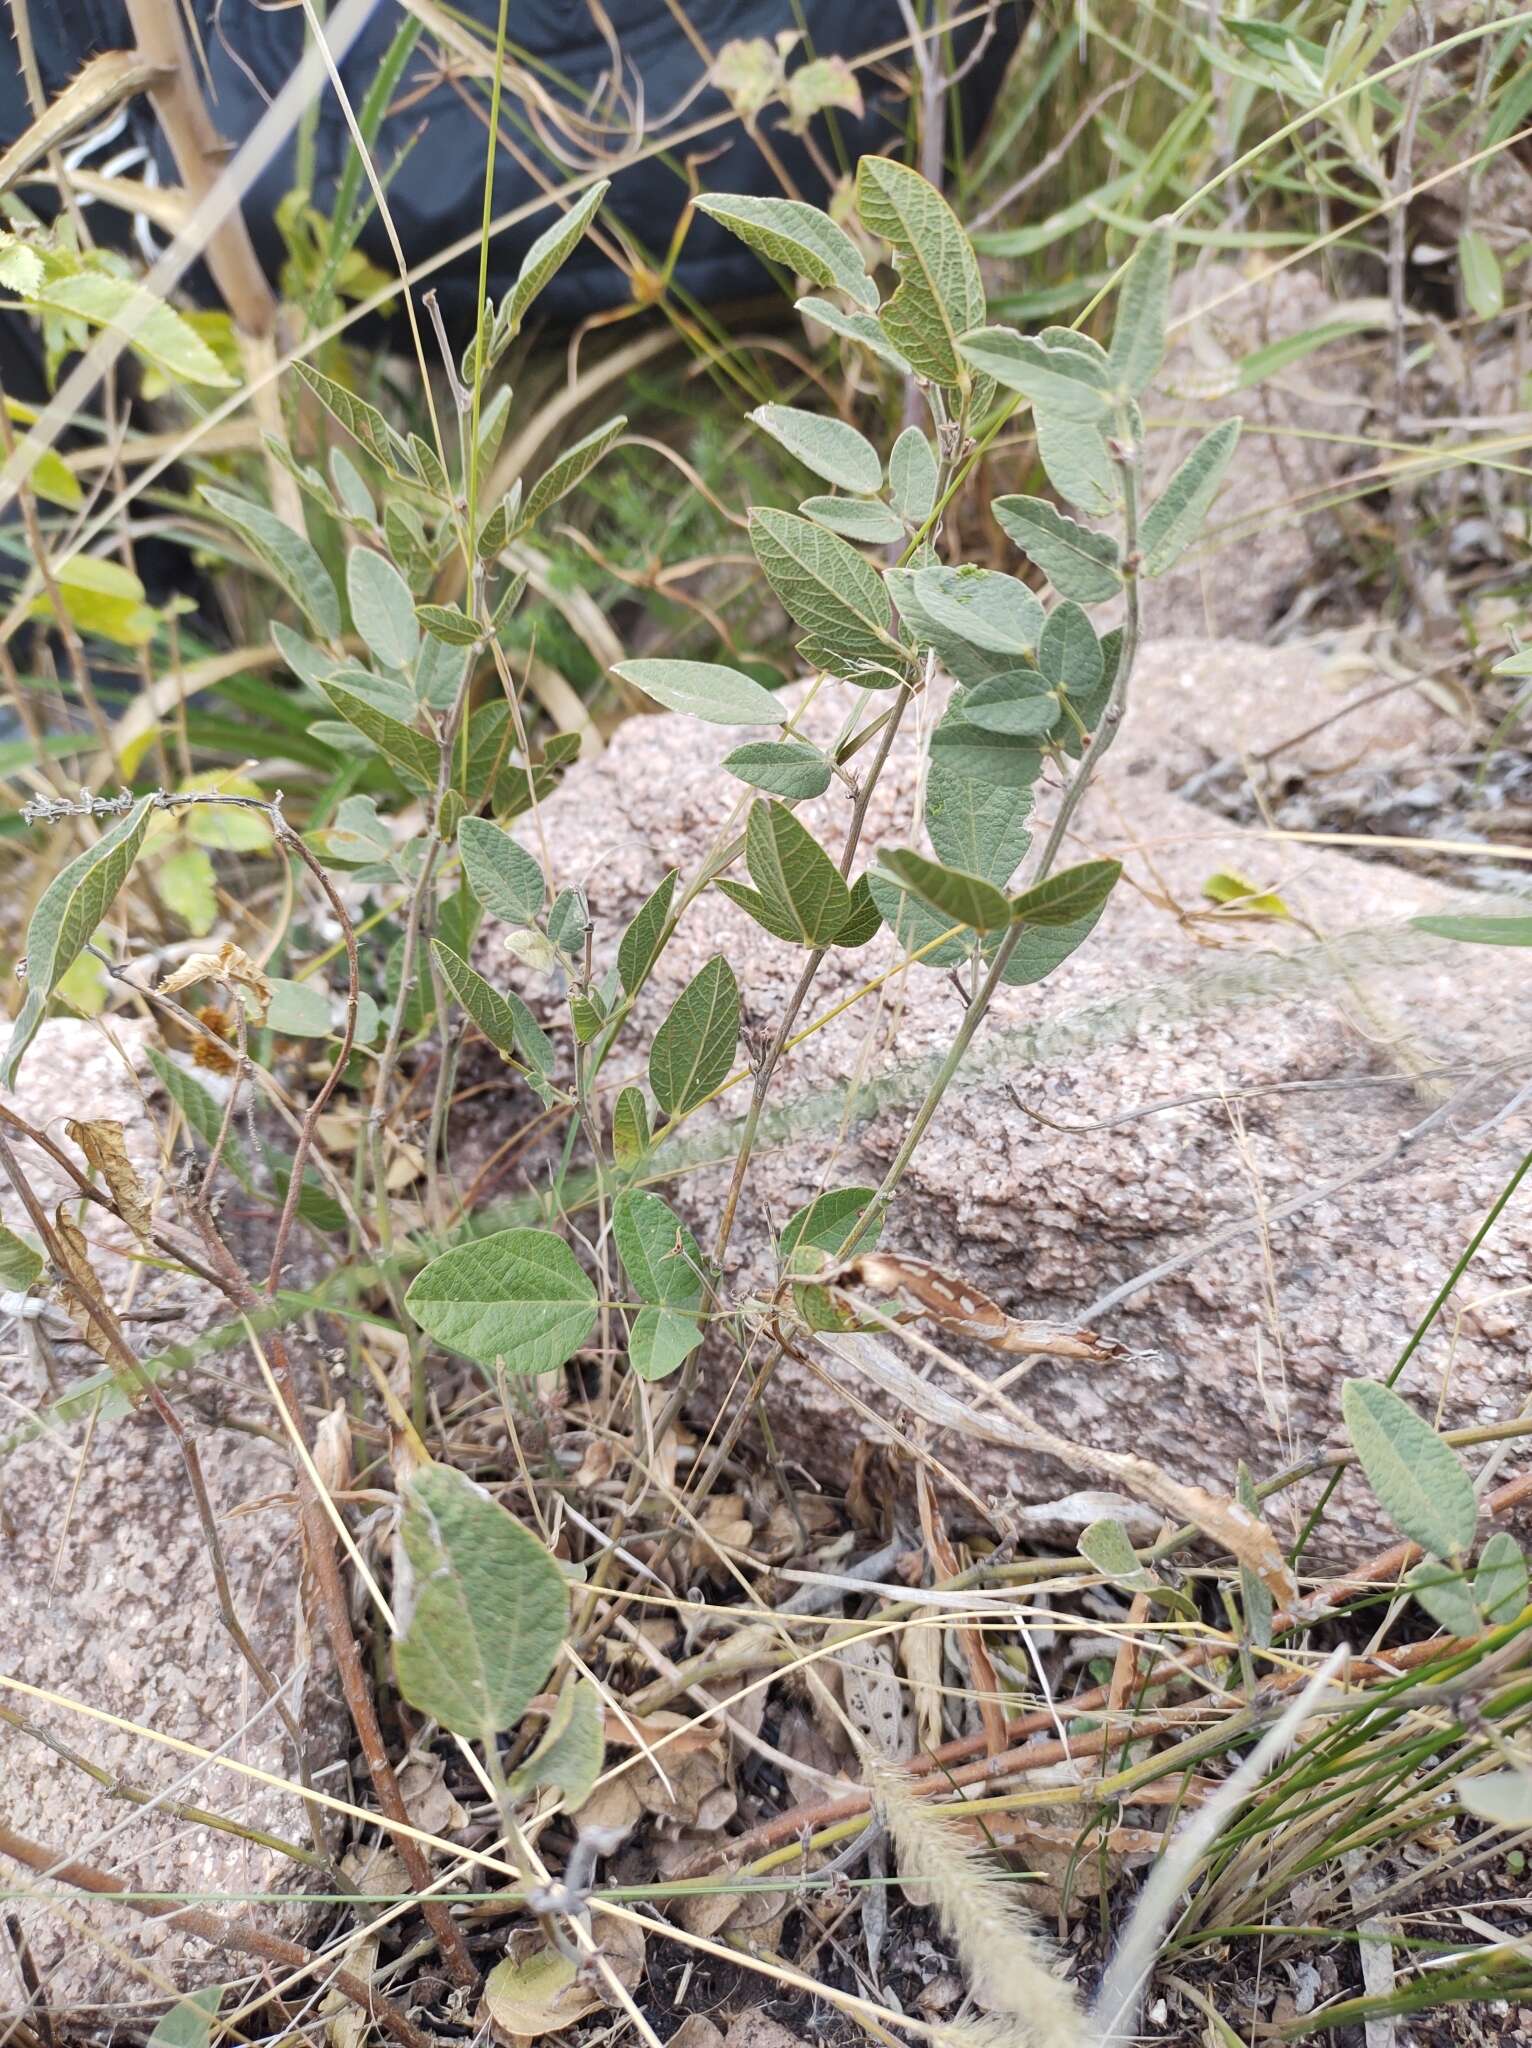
<point x="482" y="1607"/>
<point x="798" y="879"/>
<point x="829" y="447"/>
<point x="704" y="689"/>
<point x="940" y="294"/>
<point x="799" y="237"/>
<point x="1419" y="1480"/>
<point x="958" y="897"/>
<point x="694" y="1047"/>
<point x="1078" y="563"/>
<point x="1138" y="337"/>
<point x="1500" y="1583"/>
<point x="569" y="1755"/>
<point x="788" y="768"/>
<point x="1172" y="522"/>
<point x="823" y="584"/>
<point x="501" y="873"/>
<point x="289" y="555"/>
<point x="382" y="608"/>
<point x="518" y="1299"/>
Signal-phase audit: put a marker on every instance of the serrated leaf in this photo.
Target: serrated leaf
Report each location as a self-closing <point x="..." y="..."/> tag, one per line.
<point x="913" y="476"/>
<point x="992" y="611"/>
<point x="630" y="1127"/>
<point x="1419" y="1481"/>
<point x="1476" y="929"/>
<point x="382" y="608"/>
<point x="1138" y="336"/>
<point x="572" y="467"/>
<point x="482" y="1607"/>
<point x="864" y="328"/>
<point x="568" y="1758"/>
<point x="659" y="1254"/>
<point x="504" y="1018"/>
<point x="867" y="520"/>
<point x="823" y="584"/>
<point x="640" y="944"/>
<point x="940" y="294"/>
<point x="799" y="237"/>
<point x="1017" y="702"/>
<point x="362" y="421"/>
<point x="787" y="768"/>
<point x="150" y="324"/>
<point x="413" y="757"/>
<point x="1171" y="523"/>
<point x="446" y="622"/>
<point x="1062" y="381"/>
<point x="20" y="1262"/>
<point x="518" y="1299"/>
<point x="1078" y="563"/>
<point x="958" y="897"/>
<point x="501" y="873"/>
<point x="1075" y="460"/>
<point x="290" y="556"/>
<point x="547" y="255"/>
<point x="694" y="1047"/>
<point x="1074" y="893"/>
<point x="67" y="913"/>
<point x="1500" y="1583"/>
<point x="1446" y="1596"/>
<point x="798" y="879"/>
<point x="704" y="689"/>
<point x="1108" y="1546"/>
<point x="829" y="447"/>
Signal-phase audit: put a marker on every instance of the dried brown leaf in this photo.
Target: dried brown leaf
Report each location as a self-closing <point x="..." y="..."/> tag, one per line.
<point x="105" y="1144"/>
<point x="231" y="965"/>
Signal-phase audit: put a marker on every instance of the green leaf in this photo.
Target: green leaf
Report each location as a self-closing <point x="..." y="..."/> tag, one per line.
<point x="1042" y="948"/>
<point x="1062" y="381"/>
<point x="978" y="826"/>
<point x="958" y="897"/>
<point x="703" y="689"/>
<point x="1000" y="759"/>
<point x="569" y="1756"/>
<point x="1255" y="1595"/>
<point x="1108" y="1546"/>
<point x="769" y="915"/>
<point x="20" y="1262"/>
<point x="1070" y="656"/>
<point x="382" y="608"/>
<point x="1419" y="1481"/>
<point x="659" y="1254"/>
<point x="1138" y="337"/>
<point x="1479" y="268"/>
<point x="187" y="885"/>
<point x="1478" y="929"/>
<point x="824" y="1227"/>
<point x="150" y="323"/>
<point x="940" y="294"/>
<point x="567" y="921"/>
<point x="504" y="1018"/>
<point x="1171" y="524"/>
<point x="913" y="476"/>
<point x="800" y="883"/>
<point x="788" y="768"/>
<point x="362" y="421"/>
<point x="1446" y="1596"/>
<point x="1077" y="562"/>
<point x="864" y="328"/>
<point x="518" y="1299"/>
<point x="67" y="913"/>
<point x="298" y="1009"/>
<point x="446" y="622"/>
<point x="351" y="492"/>
<point x="547" y="255"/>
<point x="189" y="2022"/>
<point x="1500" y="1583"/>
<point x="202" y="1114"/>
<point x="694" y="1047"/>
<point x="291" y="558"/>
<point x="660" y="1340"/>
<point x="572" y="467"/>
<point x="995" y="612"/>
<point x="863" y="920"/>
<point x="1018" y="702"/>
<point x="501" y="873"/>
<point x="482" y="1607"/>
<point x="101" y="597"/>
<point x="867" y="520"/>
<point x="827" y="446"/>
<point x="640" y="944"/>
<point x="799" y="237"/>
<point x="1074" y="893"/>
<point x="823" y="584"/>
<point x="413" y="757"/>
<point x="630" y="1127"/>
<point x="1075" y="460"/>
